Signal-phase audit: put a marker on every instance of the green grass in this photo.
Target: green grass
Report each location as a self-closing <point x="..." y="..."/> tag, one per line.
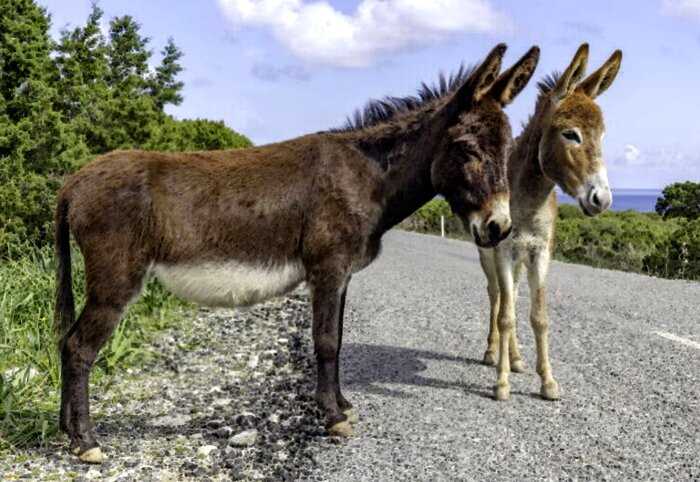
<point x="29" y="362"/>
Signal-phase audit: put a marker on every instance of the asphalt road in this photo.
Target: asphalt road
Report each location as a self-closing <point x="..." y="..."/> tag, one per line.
<point x="625" y="349"/>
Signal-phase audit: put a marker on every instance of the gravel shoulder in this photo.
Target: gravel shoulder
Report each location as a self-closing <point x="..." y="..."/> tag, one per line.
<point x="229" y="398"/>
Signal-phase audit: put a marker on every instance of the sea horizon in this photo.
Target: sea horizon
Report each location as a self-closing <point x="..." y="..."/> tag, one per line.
<point x="637" y="199"/>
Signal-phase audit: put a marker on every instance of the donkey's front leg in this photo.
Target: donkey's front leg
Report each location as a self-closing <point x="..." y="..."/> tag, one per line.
<point x="537" y="275"/>
<point x="517" y="364"/>
<point x="327" y="294"/>
<point x="344" y="405"/>
<point x="506" y="320"/>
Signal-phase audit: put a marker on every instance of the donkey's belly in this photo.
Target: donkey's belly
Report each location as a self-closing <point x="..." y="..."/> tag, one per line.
<point x="229" y="283"/>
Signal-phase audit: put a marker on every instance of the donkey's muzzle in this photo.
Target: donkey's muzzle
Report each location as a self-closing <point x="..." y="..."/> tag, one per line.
<point x="594" y="196"/>
<point x="490" y="227"/>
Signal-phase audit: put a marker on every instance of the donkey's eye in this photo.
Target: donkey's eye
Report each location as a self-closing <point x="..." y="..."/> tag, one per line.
<point x="572" y="135"/>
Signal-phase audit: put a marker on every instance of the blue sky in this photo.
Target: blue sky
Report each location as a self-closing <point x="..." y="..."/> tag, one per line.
<point x="275" y="69"/>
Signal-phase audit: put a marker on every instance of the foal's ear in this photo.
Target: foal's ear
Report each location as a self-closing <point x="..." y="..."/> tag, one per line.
<point x="513" y="81"/>
<point x="573" y="73"/>
<point x="599" y="81"/>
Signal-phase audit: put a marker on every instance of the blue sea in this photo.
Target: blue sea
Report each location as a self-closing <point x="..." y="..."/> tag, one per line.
<point x="642" y="200"/>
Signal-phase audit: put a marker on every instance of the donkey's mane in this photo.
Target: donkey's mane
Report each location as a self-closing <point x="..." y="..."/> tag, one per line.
<point x="548" y="82"/>
<point x="378" y="111"/>
<point x="545" y="86"/>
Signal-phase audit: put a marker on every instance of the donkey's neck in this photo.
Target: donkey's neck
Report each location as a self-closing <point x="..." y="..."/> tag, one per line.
<point x="530" y="188"/>
<point x="406" y="161"/>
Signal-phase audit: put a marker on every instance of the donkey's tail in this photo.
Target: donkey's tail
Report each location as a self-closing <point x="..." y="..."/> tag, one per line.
<point x="64" y="312"/>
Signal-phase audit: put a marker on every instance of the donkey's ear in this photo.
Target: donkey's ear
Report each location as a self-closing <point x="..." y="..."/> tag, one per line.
<point x="599" y="81"/>
<point x="479" y="82"/>
<point x="573" y="73"/>
<point x="486" y="74"/>
<point x="513" y="81"/>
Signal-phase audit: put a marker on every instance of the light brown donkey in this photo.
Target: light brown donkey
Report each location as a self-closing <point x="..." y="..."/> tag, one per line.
<point x="237" y="227"/>
<point x="559" y="146"/>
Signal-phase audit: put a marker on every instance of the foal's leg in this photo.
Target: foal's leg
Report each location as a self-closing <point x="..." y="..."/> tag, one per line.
<point x="343" y="404"/>
<point x="537" y="275"/>
<point x="488" y="264"/>
<point x="327" y="291"/>
<point x="516" y="360"/>
<point x="506" y="319"/>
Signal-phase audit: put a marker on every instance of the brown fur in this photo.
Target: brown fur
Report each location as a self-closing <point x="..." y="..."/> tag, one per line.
<point x="322" y="201"/>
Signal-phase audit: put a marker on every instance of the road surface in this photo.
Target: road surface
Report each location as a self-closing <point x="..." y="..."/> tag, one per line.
<point x="625" y="349"/>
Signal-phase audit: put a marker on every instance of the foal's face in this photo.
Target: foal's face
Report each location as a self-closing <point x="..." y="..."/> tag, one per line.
<point x="571" y="153"/>
<point x="475" y="167"/>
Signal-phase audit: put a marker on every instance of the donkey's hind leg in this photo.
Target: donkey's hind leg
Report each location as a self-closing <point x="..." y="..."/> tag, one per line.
<point x="107" y="299"/>
<point x="537" y="275"/>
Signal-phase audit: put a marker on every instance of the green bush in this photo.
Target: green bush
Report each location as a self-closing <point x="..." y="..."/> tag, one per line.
<point x="680" y="199"/>
<point x="627" y="241"/>
<point x="679" y="255"/>
<point x="195" y="135"/>
<point x="427" y="219"/>
<point x="614" y="240"/>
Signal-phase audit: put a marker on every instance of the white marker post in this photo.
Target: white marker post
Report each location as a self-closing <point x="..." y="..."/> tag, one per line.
<point x="442" y="226"/>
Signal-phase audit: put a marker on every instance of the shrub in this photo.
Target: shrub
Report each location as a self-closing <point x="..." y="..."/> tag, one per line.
<point x="427" y="219"/>
<point x="679" y="255"/>
<point x="681" y="199"/>
<point x="614" y="240"/>
<point x="628" y="240"/>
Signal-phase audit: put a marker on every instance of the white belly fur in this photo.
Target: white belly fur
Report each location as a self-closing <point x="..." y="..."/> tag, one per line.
<point x="230" y="283"/>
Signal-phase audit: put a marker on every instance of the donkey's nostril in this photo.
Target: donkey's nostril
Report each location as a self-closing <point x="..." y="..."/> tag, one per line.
<point x="494" y="231"/>
<point x="596" y="200"/>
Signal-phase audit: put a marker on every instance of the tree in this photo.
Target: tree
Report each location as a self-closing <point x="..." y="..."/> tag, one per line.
<point x="36" y="145"/>
<point x="681" y="199"/>
<point x="164" y="86"/>
<point x="128" y="56"/>
<point x="82" y="67"/>
<point x="95" y="94"/>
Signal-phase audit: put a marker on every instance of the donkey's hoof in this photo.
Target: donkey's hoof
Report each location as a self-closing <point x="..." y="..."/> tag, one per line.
<point x="518" y="366"/>
<point x="351" y="415"/>
<point x="550" y="390"/>
<point x="490" y="358"/>
<point x="92" y="456"/>
<point x="502" y="392"/>
<point x="341" y="429"/>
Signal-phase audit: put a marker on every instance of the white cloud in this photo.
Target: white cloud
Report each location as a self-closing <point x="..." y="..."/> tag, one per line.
<point x="659" y="157"/>
<point x="682" y="8"/>
<point x="317" y="32"/>
<point x="631" y="153"/>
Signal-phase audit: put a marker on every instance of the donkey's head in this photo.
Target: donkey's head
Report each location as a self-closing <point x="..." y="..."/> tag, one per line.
<point x="570" y="150"/>
<point x="470" y="172"/>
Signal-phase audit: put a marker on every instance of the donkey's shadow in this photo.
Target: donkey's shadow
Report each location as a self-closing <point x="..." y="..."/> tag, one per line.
<point x="369" y="368"/>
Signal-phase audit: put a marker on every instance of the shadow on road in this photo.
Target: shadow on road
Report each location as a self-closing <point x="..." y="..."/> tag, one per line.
<point x="367" y="366"/>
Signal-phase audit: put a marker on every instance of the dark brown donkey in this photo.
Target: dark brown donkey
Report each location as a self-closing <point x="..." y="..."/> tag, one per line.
<point x="236" y="227"/>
